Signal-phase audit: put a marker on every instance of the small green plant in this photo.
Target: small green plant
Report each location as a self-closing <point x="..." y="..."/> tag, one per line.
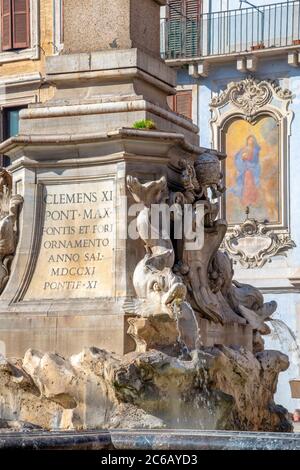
<point x="144" y="124"/>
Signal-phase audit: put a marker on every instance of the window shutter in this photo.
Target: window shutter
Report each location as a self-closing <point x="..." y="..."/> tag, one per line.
<point x="21" y="23"/>
<point x="192" y="36"/>
<point x="182" y="103"/>
<point x="175" y="30"/>
<point x="193" y="8"/>
<point x="6" y="16"/>
<point x="184" y="27"/>
<point x="171" y="102"/>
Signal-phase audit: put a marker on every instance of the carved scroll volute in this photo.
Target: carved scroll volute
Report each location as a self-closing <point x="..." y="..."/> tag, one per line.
<point x="250" y="96"/>
<point x="10" y="206"/>
<point x="253" y="245"/>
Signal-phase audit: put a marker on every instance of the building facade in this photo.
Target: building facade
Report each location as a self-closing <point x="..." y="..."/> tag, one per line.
<point x="239" y="80"/>
<point x="30" y="30"/>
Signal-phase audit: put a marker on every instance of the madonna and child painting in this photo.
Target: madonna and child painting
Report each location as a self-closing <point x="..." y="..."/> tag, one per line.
<point x="252" y="170"/>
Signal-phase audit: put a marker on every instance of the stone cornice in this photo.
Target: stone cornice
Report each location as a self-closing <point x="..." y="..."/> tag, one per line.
<point x="107" y="62"/>
<point x="113" y="74"/>
<point x="124" y="135"/>
<point x="21" y="80"/>
<point x="108" y="108"/>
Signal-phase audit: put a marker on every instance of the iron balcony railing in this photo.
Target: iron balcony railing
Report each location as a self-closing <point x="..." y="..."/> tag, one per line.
<point x="233" y="31"/>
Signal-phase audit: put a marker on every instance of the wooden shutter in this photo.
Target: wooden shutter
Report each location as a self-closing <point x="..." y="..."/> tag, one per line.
<point x="182" y="103"/>
<point x="21" y="23"/>
<point x="193" y="8"/>
<point x="175" y="29"/>
<point x="192" y="34"/>
<point x="184" y="27"/>
<point x="6" y="26"/>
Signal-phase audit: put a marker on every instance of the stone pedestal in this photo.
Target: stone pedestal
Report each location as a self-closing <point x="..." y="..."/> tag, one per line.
<point x="72" y="271"/>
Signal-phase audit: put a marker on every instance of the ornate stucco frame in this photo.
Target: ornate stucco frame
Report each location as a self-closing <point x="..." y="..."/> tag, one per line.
<point x="250" y="99"/>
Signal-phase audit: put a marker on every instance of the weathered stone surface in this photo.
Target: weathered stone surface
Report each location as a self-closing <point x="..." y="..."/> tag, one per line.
<point x="22" y="401"/>
<point x="88" y="25"/>
<point x="17" y="426"/>
<point x="216" y="388"/>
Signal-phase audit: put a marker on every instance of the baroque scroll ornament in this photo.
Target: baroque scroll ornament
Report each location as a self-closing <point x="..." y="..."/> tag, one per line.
<point x="250" y="95"/>
<point x="253" y="245"/>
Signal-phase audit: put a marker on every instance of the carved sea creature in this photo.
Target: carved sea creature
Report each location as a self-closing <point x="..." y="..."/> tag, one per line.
<point x="159" y="290"/>
<point x="156" y="285"/>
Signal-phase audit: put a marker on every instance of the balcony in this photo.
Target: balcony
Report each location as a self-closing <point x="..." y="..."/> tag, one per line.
<point x="261" y="30"/>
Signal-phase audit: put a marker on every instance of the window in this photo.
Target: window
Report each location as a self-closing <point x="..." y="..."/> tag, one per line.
<point x="181" y="103"/>
<point x="9" y="127"/>
<point x="184" y="27"/>
<point x="11" y="122"/>
<point x="15" y="24"/>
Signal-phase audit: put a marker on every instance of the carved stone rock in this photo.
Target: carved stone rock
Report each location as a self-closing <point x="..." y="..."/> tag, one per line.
<point x="217" y="388"/>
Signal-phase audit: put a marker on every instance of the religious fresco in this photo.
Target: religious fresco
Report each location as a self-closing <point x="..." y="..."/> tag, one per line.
<point x="252" y="170"/>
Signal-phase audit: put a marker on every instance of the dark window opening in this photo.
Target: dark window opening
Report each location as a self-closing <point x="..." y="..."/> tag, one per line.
<point x="10" y="118"/>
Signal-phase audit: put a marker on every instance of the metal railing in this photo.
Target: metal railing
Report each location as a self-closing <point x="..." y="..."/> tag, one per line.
<point x="233" y="31"/>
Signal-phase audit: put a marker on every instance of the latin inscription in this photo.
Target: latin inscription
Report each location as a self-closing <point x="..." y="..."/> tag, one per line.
<point x="77" y="242"/>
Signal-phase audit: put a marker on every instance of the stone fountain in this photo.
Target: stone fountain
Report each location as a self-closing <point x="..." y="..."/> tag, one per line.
<point x="176" y="341"/>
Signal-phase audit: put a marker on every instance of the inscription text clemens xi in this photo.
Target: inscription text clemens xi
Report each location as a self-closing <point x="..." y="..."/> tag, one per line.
<point x="76" y="251"/>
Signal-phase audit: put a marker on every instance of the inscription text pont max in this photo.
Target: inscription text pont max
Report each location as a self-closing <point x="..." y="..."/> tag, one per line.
<point x="76" y="250"/>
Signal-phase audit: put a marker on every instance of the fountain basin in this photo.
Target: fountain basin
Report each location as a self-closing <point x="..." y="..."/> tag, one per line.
<point x="150" y="440"/>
